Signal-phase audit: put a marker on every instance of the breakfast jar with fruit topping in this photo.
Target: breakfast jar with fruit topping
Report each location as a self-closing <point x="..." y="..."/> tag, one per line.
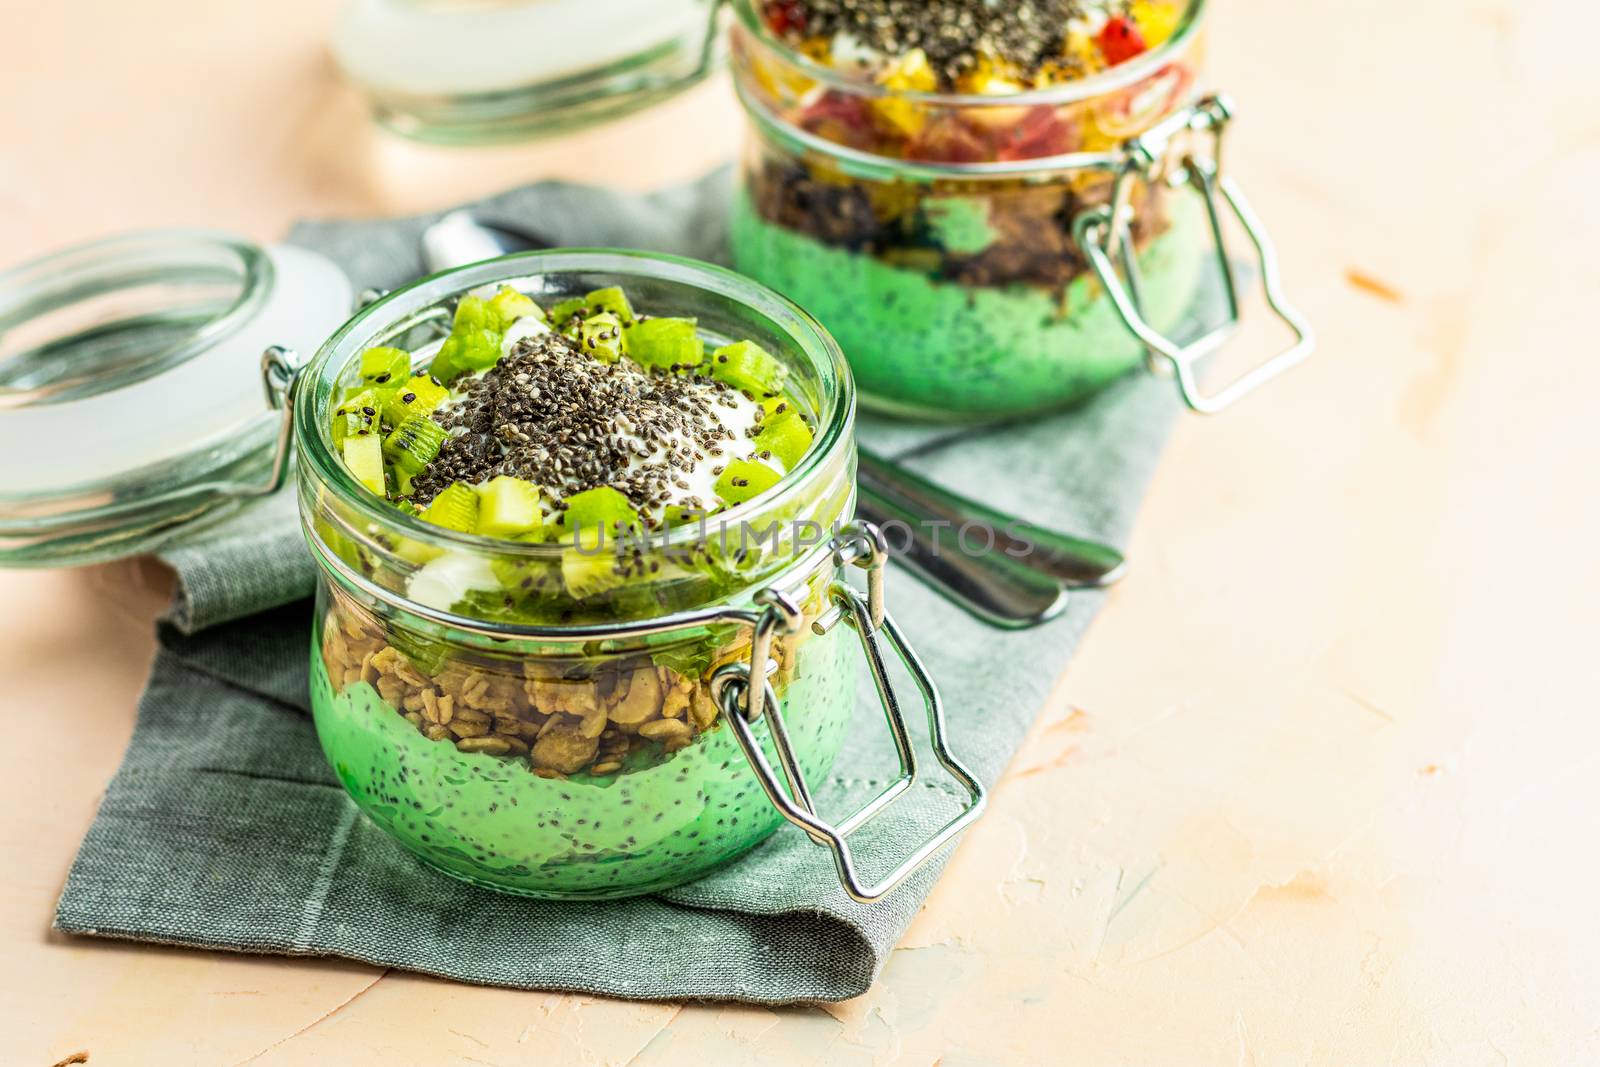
<point x="997" y="209"/>
<point x="565" y="507"/>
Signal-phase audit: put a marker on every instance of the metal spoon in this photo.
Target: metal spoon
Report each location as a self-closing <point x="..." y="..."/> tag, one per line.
<point x="1017" y="577"/>
<point x="1074" y="562"/>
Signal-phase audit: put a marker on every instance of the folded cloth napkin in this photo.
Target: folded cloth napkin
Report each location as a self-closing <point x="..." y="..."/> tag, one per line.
<point x="225" y="828"/>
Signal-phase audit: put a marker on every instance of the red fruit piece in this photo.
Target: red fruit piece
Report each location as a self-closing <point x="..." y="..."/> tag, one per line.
<point x="1041" y="133"/>
<point x="840" y="118"/>
<point x="1120" y="40"/>
<point x="949" y="140"/>
<point x="833" y="106"/>
<point x="786" y="16"/>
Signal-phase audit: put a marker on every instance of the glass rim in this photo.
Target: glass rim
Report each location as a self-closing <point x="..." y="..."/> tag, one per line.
<point x="863" y="163"/>
<point x="83" y="271"/>
<point x="1107" y="81"/>
<point x="313" y="435"/>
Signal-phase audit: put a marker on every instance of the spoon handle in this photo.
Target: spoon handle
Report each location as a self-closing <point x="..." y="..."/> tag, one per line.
<point x="991" y="587"/>
<point x="1071" y="561"/>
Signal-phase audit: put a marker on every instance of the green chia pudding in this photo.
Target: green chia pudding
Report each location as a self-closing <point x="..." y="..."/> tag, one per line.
<point x="915" y="177"/>
<point x="924" y="346"/>
<point x="660" y="820"/>
<point x="561" y="455"/>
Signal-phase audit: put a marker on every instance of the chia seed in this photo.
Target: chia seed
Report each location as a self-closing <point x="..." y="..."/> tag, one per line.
<point x="553" y="415"/>
<point x="952" y="33"/>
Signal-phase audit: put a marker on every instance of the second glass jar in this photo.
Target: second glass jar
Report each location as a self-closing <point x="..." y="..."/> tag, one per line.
<point x="933" y="234"/>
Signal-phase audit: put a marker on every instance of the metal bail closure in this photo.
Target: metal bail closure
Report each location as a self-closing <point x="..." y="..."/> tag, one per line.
<point x="280" y="369"/>
<point x="862" y="545"/>
<point x="1162" y="154"/>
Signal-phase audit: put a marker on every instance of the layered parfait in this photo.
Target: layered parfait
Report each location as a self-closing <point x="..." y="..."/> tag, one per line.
<point x="917" y="170"/>
<point x="587" y="454"/>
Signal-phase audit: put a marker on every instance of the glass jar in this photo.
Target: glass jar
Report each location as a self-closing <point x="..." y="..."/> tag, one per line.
<point x="617" y="746"/>
<point x="130" y="380"/>
<point x="980" y="257"/>
<point x="475" y="71"/>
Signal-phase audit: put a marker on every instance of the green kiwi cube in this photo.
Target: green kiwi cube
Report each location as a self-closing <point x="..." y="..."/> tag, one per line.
<point x="470" y="349"/>
<point x="671" y="344"/>
<point x="455" y="508"/>
<point x="508" y="506"/>
<point x="744" y="479"/>
<point x="509" y="305"/>
<point x="590" y="567"/>
<point x="746" y="365"/>
<point x="363" y="454"/>
<point x="610" y="299"/>
<point x="384" y="365"/>
<point x="601" y="337"/>
<point x="786" y="436"/>
<point x="413" y="445"/>
<point x="354" y="415"/>
<point x="778" y="405"/>
<point x="418" y="395"/>
<point x="474" y="313"/>
<point x="674" y="515"/>
<point x="561" y="314"/>
<point x="602" y="508"/>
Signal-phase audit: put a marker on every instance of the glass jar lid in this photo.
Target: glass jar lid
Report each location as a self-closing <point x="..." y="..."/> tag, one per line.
<point x="131" y="383"/>
<point x="478" y="71"/>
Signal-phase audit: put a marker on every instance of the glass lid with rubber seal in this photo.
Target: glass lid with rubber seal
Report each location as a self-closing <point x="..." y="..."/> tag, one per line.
<point x="131" y="386"/>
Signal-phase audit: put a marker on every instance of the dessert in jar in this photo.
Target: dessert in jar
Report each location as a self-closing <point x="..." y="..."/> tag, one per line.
<point x="986" y="204"/>
<point x="566" y="506"/>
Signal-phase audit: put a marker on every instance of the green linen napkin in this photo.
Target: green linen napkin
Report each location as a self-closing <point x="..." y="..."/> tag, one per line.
<point x="225" y="828"/>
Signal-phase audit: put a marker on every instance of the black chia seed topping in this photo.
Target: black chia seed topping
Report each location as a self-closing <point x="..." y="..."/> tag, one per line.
<point x="553" y="415"/>
<point x="952" y="33"/>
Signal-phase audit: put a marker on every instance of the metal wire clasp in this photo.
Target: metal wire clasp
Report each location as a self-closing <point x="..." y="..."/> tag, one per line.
<point x="280" y="369"/>
<point x="861" y="545"/>
<point x="1166" y="153"/>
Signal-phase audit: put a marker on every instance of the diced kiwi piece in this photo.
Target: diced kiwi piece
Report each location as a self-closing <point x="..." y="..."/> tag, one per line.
<point x="601" y="337"/>
<point x="474" y="341"/>
<point x="674" y="515"/>
<point x="524" y="576"/>
<point x="455" y="508"/>
<point x="363" y="454"/>
<point x="746" y="365"/>
<point x="509" y="306"/>
<point x="743" y="479"/>
<point x="611" y="299"/>
<point x="445" y="366"/>
<point x="786" y="436"/>
<point x="603" y="508"/>
<point x="562" y="312"/>
<point x="380" y="366"/>
<point x="466" y="350"/>
<point x="666" y="343"/>
<point x="414" y="551"/>
<point x="590" y="567"/>
<point x="474" y="313"/>
<point x="778" y="405"/>
<point x="417" y="395"/>
<point x="413" y="445"/>
<point x="357" y="413"/>
<point x="508" y="506"/>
